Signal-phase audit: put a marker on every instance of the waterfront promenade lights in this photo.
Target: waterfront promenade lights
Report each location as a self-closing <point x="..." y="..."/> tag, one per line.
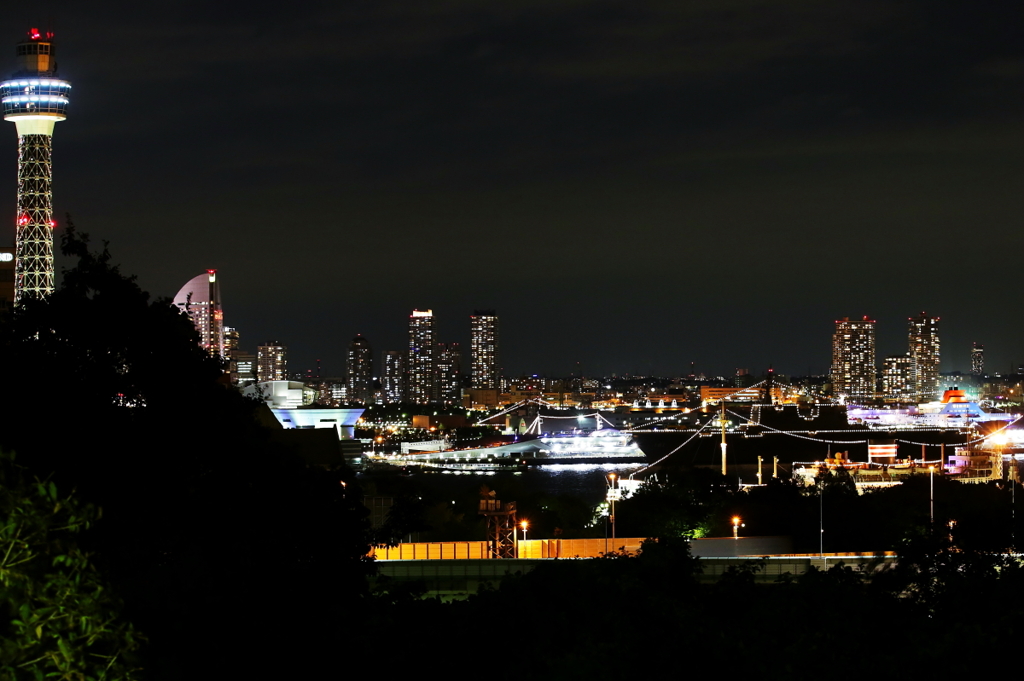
<point x="736" y="525"/>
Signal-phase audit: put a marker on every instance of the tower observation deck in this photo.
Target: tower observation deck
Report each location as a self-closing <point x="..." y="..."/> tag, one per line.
<point x="34" y="98"/>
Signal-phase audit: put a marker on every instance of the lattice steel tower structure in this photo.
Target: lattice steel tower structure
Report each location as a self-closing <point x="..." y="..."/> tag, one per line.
<point x="34" y="98"/>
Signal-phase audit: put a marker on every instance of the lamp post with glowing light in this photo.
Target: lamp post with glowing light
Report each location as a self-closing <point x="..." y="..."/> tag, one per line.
<point x="931" y="494"/>
<point x="613" y="495"/>
<point x="736" y="525"/>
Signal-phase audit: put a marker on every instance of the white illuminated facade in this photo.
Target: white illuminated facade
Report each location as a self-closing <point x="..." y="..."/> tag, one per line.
<point x="853" y="359"/>
<point x="200" y="300"/>
<point x="35" y="99"/>
<point x="343" y="421"/>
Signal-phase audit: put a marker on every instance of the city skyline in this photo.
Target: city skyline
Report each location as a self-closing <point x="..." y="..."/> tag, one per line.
<point x="586" y="173"/>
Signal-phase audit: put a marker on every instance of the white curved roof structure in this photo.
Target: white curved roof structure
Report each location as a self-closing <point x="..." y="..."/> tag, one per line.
<point x="200" y="299"/>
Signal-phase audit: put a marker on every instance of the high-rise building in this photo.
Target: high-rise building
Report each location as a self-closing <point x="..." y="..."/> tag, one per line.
<point x="977" y="359"/>
<point x="419" y="367"/>
<point x="200" y="300"/>
<point x="359" y="366"/>
<point x="923" y="341"/>
<point x="35" y="99"/>
<point x="393" y="376"/>
<point x="231" y="340"/>
<point x="483" y="349"/>
<point x="853" y="358"/>
<point x="271" y="362"/>
<point x="242" y="367"/>
<point x="448" y="378"/>
<point x="896" y="378"/>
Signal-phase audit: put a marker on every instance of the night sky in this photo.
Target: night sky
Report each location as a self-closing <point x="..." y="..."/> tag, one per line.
<point x="631" y="185"/>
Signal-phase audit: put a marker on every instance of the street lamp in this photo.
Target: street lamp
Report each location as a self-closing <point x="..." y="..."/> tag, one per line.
<point x="524" y="524"/>
<point x="613" y="494"/>
<point x="931" y="494"/>
<point x="735" y="527"/>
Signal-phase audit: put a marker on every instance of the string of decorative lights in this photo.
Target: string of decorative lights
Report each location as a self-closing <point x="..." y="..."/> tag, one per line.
<point x="515" y="406"/>
<point x="673" y="451"/>
<point x="969" y="442"/>
<point x="852" y="442"/>
<point x="677" y="415"/>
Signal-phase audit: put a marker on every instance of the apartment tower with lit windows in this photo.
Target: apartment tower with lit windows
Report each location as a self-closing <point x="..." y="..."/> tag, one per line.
<point x="392" y="379"/>
<point x="271" y="362"/>
<point x="977" y="359"/>
<point x="853" y="359"/>
<point x="923" y="348"/>
<point x="484" y="349"/>
<point x="35" y="99"/>
<point x="359" y="370"/>
<point x="419" y="366"/>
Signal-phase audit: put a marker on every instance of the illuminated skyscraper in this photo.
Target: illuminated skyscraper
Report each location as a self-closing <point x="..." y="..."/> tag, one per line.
<point x="448" y="378"/>
<point x="359" y="366"/>
<point x="200" y="299"/>
<point x="896" y="374"/>
<point x="923" y="341"/>
<point x="977" y="359"/>
<point x="35" y="99"/>
<point x="484" y="349"/>
<point x="231" y="339"/>
<point x="271" y="362"/>
<point x="853" y="358"/>
<point x="393" y="376"/>
<point x="419" y="367"/>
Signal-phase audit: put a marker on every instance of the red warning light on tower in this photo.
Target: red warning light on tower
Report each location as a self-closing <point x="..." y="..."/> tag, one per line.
<point x="23" y="220"/>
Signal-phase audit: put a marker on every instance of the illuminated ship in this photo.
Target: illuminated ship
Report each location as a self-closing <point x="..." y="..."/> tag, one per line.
<point x="756" y="433"/>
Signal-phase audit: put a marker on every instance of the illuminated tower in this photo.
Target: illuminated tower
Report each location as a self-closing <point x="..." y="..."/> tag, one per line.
<point x="923" y="341"/>
<point x="393" y="376"/>
<point x="420" y="364"/>
<point x="34" y="98"/>
<point x="200" y="299"/>
<point x="853" y="358"/>
<point x="977" y="359"/>
<point x="360" y="370"/>
<point x="483" y="348"/>
<point x="448" y="374"/>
